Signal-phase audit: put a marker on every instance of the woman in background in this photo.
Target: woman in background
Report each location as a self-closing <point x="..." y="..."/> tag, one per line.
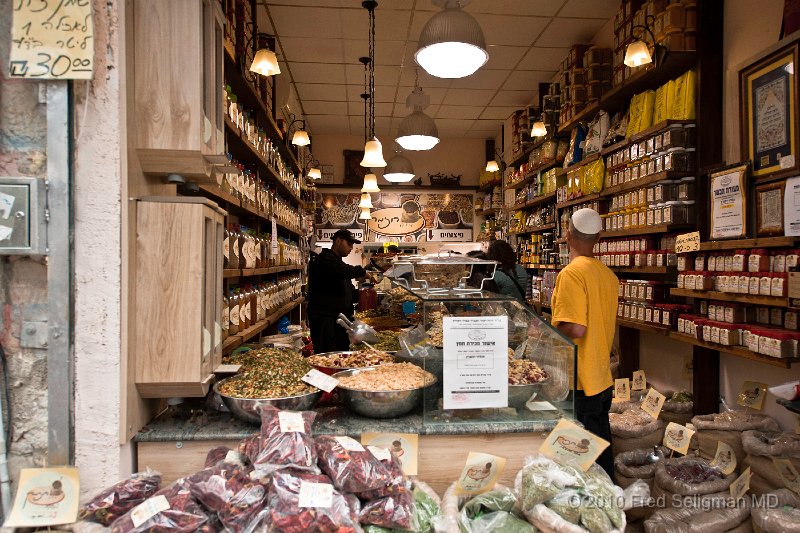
<point x="511" y="278"/>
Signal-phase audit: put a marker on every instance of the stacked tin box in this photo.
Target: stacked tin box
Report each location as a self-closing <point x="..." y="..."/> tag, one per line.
<point x="585" y="75"/>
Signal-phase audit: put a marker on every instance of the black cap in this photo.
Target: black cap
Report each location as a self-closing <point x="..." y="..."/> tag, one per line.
<point x="345" y="234"/>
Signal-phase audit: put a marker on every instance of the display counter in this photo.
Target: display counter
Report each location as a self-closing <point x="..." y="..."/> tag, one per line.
<point x="176" y="444"/>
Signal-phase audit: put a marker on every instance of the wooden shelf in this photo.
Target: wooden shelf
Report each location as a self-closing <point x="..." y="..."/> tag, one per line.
<point x="254" y="330"/>
<point x="738" y="351"/>
<point x="587" y="112"/>
<point x="526" y="152"/>
<point x="644" y="270"/>
<point x="773" y="301"/>
<point x="538" y="229"/>
<point x="583" y="162"/>
<point x="232" y="342"/>
<point x="235" y="273"/>
<point x="542" y="267"/>
<point x="647" y="230"/>
<point x="660" y="330"/>
<point x="220" y="195"/>
<point x="535" y="201"/>
<point x="489" y="187"/>
<point x="231" y="273"/>
<point x="392" y="187"/>
<point x="581" y="200"/>
<point x="763" y="242"/>
<point x="532" y="174"/>
<point x="644" y="182"/>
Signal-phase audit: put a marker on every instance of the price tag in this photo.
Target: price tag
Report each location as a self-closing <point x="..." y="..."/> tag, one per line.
<point x="291" y="421"/>
<point x="320" y="380"/>
<point x="724" y="459"/>
<point x="315" y="494"/>
<point x="148" y="509"/>
<point x="752" y="395"/>
<point x="741" y="485"/>
<point x="480" y="473"/>
<point x="677" y="437"/>
<point x="381" y="454"/>
<point x="653" y="402"/>
<point x="233" y="457"/>
<point x="788" y="473"/>
<point x="639" y="380"/>
<point x="622" y="390"/>
<point x="570" y="444"/>
<point x="687" y="242"/>
<point x="349" y="444"/>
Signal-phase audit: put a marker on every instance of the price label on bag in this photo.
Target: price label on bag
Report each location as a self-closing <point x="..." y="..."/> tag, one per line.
<point x="291" y="422"/>
<point x="639" y="380"/>
<point x="480" y="473"/>
<point x="320" y="380"/>
<point x="653" y="402"/>
<point x="349" y="444"/>
<point x="315" y="494"/>
<point x="570" y="444"/>
<point x="741" y="485"/>
<point x="724" y="459"/>
<point x="688" y="242"/>
<point x="678" y="437"/>
<point x="148" y="509"/>
<point x="622" y="390"/>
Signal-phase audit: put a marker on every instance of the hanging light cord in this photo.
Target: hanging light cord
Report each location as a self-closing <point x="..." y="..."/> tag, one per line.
<point x="372" y="69"/>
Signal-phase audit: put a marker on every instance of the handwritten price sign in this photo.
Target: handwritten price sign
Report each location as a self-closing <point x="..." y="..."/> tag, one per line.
<point x="52" y="39"/>
<point x="687" y="242"/>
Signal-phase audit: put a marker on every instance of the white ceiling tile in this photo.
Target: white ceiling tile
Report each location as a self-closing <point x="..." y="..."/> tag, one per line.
<point x="540" y="8"/>
<point x="479" y="134"/>
<point x="317" y="73"/>
<point x="319" y="22"/>
<point x="356" y="124"/>
<point x="311" y="50"/>
<point x="319" y="124"/>
<point x="539" y="58"/>
<point x="408" y="76"/>
<point x="498" y="112"/>
<point x="321" y="91"/>
<point x="383" y="75"/>
<point x="386" y="52"/>
<point x="603" y="9"/>
<point x="384" y="110"/>
<point x="566" y="32"/>
<point x="383" y="93"/>
<point x="315" y="107"/>
<point x="527" y="80"/>
<point x="515" y="98"/>
<point x="381" y="109"/>
<point x="504" y="57"/>
<point x="390" y="24"/>
<point x="453" y="124"/>
<point x="511" y="29"/>
<point x="459" y="111"/>
<point x="482" y="79"/>
<point x="468" y="97"/>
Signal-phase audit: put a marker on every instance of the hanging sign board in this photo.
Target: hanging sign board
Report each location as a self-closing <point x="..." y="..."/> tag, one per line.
<point x="450" y="235"/>
<point x="570" y="444"/>
<point x="688" y="242"/>
<point x="327" y="234"/>
<point x="52" y="40"/>
<point x="45" y="497"/>
<point x="480" y="473"/>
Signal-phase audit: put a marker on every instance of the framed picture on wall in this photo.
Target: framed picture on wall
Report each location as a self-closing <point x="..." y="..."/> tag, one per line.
<point x="769" y="208"/>
<point x="728" y="202"/>
<point x="353" y="171"/>
<point x="769" y="125"/>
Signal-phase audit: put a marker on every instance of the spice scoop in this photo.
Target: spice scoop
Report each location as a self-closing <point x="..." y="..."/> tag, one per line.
<point x="655" y="455"/>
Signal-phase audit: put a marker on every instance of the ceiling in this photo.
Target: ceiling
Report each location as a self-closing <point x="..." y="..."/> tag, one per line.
<point x="319" y="43"/>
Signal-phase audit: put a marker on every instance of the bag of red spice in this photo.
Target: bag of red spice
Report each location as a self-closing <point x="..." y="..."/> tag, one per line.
<point x="351" y="467"/>
<point x="172" y="510"/>
<point x="120" y="498"/>
<point x="285" y="440"/>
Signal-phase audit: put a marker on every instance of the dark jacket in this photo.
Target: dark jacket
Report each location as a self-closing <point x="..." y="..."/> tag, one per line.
<point x="330" y="291"/>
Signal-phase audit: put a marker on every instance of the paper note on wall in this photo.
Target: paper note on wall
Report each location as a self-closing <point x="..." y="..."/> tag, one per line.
<point x="52" y="40"/>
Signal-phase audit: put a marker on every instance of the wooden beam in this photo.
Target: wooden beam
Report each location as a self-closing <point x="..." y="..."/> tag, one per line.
<point x="705" y="382"/>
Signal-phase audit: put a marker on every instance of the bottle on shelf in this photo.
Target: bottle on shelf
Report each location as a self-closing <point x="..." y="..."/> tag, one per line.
<point x="233" y="299"/>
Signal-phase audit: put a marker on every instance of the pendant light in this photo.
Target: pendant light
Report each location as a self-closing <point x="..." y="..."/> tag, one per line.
<point x="538" y="129"/>
<point x="265" y="61"/>
<point x="373" y="151"/>
<point x="398" y="169"/>
<point x="492" y="166"/>
<point x="366" y="201"/>
<point x="638" y="53"/>
<point x="314" y="173"/>
<point x="370" y="183"/>
<point x="417" y="131"/>
<point x="451" y="45"/>
<point x="300" y="137"/>
<point x="365" y="214"/>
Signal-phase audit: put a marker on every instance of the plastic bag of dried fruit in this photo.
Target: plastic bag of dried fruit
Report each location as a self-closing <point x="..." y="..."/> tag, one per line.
<point x="120" y="498"/>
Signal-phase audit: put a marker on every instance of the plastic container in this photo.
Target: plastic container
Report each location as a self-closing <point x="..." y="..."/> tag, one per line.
<point x="673" y="137"/>
<point x="778" y="284"/>
<point x="686" y="188"/>
<point x="758" y="260"/>
<point x="777" y="344"/>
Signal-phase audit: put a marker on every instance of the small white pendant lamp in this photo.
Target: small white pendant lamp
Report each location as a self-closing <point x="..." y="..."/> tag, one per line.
<point x="365" y="214"/>
<point x="370" y="183"/>
<point x="366" y="201"/>
<point x="492" y="166"/>
<point x="265" y="63"/>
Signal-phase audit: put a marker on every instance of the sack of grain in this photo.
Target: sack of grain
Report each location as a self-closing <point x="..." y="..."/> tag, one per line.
<point x="780" y="515"/>
<point x="713" y="513"/>
<point x="634" y="429"/>
<point x="678" y="408"/>
<point x="727" y="427"/>
<point x="760" y="447"/>
<point x="633" y="465"/>
<point x="682" y="477"/>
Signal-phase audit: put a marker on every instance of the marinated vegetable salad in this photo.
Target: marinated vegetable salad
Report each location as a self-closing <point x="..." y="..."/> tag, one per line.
<point x="268" y="373"/>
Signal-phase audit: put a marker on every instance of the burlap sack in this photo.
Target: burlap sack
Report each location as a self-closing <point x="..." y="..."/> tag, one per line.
<point x="779" y="516"/>
<point x="619" y="407"/>
<point x="760" y="447"/>
<point x="678" y="412"/>
<point x="711" y="515"/>
<point x="728" y="428"/>
<point x="627" y="438"/>
<point x="629" y="466"/>
<point x="674" y="490"/>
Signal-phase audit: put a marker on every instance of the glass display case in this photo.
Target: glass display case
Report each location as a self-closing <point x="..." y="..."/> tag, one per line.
<point x="494" y="359"/>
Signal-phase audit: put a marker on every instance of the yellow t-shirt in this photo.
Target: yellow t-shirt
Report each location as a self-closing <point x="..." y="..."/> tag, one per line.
<point x="586" y="293"/>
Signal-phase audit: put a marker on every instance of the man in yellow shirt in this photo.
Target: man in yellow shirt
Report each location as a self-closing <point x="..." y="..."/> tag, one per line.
<point x="585" y="310"/>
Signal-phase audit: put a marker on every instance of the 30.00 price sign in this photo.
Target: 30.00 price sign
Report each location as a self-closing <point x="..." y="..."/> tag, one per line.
<point x="52" y="39"/>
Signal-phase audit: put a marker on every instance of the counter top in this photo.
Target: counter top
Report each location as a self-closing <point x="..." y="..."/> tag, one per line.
<point x="203" y="425"/>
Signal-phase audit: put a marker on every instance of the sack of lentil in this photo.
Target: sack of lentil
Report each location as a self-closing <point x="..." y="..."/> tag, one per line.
<point x="728" y="427"/>
<point x="633" y="465"/>
<point x="634" y="429"/>
<point x="780" y="515"/>
<point x="678" y="408"/>
<point x="680" y="480"/>
<point x="621" y="407"/>
<point x="760" y="448"/>
<point x="713" y="513"/>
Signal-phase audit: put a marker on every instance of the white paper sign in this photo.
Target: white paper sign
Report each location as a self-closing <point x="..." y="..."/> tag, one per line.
<point x="349" y="444"/>
<point x="315" y="494"/>
<point x="291" y="422"/>
<point x="791" y="207"/>
<point x="727" y="206"/>
<point x="381" y="454"/>
<point x="475" y="362"/>
<point x="148" y="509"/>
<point x="320" y="380"/>
<point x="326" y="234"/>
<point x="450" y="235"/>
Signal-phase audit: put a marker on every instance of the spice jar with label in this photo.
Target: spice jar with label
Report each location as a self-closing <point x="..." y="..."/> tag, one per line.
<point x="233" y="301"/>
<point x="758" y="260"/>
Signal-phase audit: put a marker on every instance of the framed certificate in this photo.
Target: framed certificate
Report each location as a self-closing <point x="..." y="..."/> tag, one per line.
<point x="769" y="208"/>
<point x="728" y="199"/>
<point x="768" y="96"/>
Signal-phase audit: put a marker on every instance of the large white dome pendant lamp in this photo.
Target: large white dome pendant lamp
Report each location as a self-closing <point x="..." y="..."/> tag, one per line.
<point x="417" y="131"/>
<point x="451" y="44"/>
<point x="398" y="169"/>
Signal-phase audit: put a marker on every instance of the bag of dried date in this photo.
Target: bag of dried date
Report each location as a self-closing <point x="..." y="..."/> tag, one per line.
<point x="223" y="454"/>
<point x="120" y="498"/>
<point x="285" y="440"/>
<point x="351" y="467"/>
<point x="172" y="509"/>
<point x="398" y="482"/>
<point x="395" y="511"/>
<point x="290" y="500"/>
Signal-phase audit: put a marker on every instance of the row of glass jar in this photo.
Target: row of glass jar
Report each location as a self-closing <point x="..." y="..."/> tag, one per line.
<point x="253" y="193"/>
<point x="676" y="160"/>
<point x="245" y="121"/>
<point x="539" y="250"/>
<point x="755" y="260"/>
<point x="244" y="307"/>
<point x="648" y="291"/>
<point x="663" y="191"/>
<point x="244" y="248"/>
<point x="675" y="136"/>
<point x="646" y="258"/>
<point x="674" y="212"/>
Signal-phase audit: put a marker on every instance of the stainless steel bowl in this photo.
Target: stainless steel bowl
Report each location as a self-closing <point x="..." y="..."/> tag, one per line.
<point x="518" y="395"/>
<point x="249" y="409"/>
<point x="379" y="404"/>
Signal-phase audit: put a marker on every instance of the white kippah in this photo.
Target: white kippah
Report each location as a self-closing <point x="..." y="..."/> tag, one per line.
<point x="587" y="221"/>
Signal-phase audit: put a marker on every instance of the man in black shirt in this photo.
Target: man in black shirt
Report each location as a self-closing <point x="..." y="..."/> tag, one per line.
<point x="330" y="292"/>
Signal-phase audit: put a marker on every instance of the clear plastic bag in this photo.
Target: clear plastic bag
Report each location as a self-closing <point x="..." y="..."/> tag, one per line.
<point x="493" y="511"/>
<point x="635" y="495"/>
<point x="227" y="490"/>
<point x="395" y="511"/>
<point x="279" y="449"/>
<point x="120" y="498"/>
<point x="183" y="515"/>
<point x="398" y="482"/>
<point x="351" y="467"/>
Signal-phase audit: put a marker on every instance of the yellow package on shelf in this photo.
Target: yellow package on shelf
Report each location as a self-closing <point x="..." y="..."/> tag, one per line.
<point x="685" y="95"/>
<point x="593" y="177"/>
<point x="641" y="114"/>
<point x="648" y="99"/>
<point x="664" y="102"/>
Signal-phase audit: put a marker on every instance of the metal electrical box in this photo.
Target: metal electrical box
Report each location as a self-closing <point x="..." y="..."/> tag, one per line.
<point x="23" y="208"/>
